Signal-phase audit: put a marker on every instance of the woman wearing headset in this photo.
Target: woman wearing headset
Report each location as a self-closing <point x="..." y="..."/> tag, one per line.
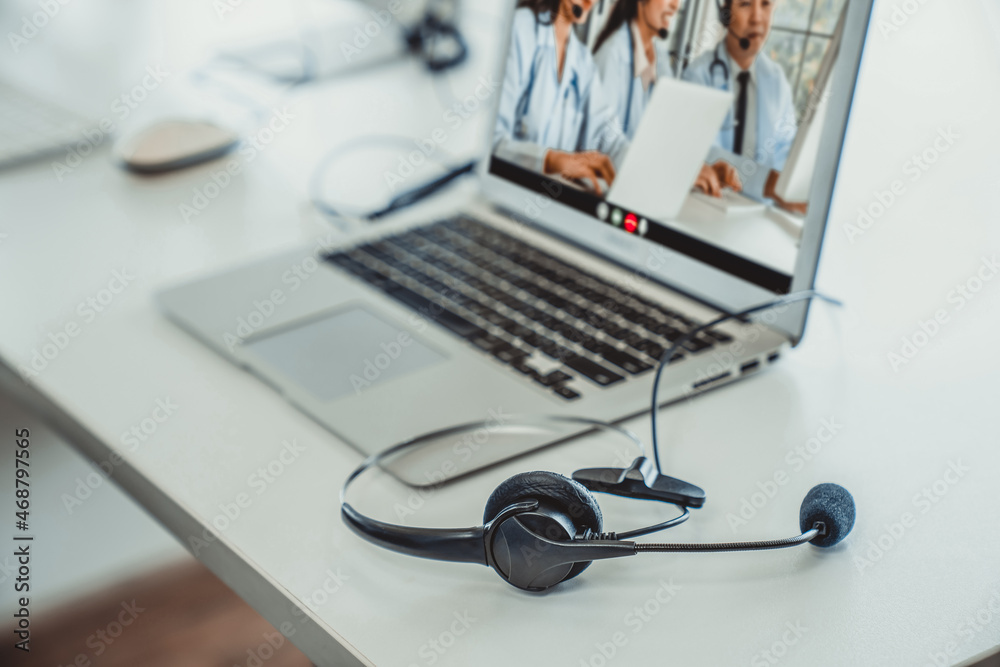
<point x="626" y="58"/>
<point x="553" y="116"/>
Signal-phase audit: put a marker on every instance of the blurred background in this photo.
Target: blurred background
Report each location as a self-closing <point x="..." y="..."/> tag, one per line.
<point x="110" y="586"/>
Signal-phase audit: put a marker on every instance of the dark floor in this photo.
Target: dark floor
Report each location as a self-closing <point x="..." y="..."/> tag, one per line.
<point x="183" y="616"/>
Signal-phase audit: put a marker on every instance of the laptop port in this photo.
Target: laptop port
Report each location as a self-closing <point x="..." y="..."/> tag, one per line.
<point x="749" y="367"/>
<point x="773" y="357"/>
<point x="711" y="380"/>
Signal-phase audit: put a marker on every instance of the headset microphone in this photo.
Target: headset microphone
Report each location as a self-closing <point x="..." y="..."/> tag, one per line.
<point x="743" y="41"/>
<point x="832" y="506"/>
<point x="726" y="19"/>
<point x="664" y="33"/>
<point x="577" y="11"/>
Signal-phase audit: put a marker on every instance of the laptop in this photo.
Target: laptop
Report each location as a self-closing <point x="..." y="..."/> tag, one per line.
<point x="532" y="298"/>
<point x="33" y="128"/>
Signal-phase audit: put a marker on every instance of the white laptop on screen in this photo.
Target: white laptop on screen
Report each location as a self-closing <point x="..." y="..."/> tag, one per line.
<point x="503" y="308"/>
<point x="677" y="129"/>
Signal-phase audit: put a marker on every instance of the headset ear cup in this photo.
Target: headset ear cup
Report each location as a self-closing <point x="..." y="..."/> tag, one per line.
<point x="567" y="495"/>
<point x="725" y="12"/>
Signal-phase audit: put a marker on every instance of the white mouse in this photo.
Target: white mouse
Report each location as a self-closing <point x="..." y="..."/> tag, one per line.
<point x="174" y="144"/>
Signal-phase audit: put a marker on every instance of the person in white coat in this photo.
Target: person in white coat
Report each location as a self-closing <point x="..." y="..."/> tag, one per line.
<point x="757" y="134"/>
<point x="626" y="57"/>
<point x="553" y="116"/>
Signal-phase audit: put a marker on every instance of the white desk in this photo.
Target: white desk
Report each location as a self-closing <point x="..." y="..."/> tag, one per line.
<point x="287" y="551"/>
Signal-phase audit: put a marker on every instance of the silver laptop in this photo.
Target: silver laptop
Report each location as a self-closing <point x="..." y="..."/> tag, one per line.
<point x="533" y="298"/>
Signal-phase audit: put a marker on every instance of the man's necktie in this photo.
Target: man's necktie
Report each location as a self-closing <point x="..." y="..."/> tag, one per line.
<point x="743" y="79"/>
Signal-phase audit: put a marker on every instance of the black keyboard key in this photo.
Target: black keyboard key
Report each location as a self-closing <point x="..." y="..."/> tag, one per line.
<point x="695" y="345"/>
<point x="567" y="393"/>
<point x="554" y="378"/>
<point x="487" y="342"/>
<point x="449" y="320"/>
<point x="557" y="352"/>
<point x="650" y="348"/>
<point x="615" y="331"/>
<point x="526" y="369"/>
<point x="623" y="360"/>
<point x="634" y="340"/>
<point x="591" y="370"/>
<point x="533" y="339"/>
<point x="509" y="354"/>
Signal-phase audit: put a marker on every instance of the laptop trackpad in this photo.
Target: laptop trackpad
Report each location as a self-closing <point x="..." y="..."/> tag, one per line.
<point x="343" y="353"/>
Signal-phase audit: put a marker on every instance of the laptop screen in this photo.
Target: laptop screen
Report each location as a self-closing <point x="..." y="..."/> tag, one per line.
<point x="598" y="112"/>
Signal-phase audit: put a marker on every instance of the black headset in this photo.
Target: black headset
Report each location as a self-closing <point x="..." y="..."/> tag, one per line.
<point x="541" y="528"/>
<point x="725" y="8"/>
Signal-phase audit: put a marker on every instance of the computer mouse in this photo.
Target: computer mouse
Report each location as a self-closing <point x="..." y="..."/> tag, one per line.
<point x="174" y="144"/>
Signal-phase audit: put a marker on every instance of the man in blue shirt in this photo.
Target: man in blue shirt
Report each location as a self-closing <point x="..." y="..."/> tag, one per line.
<point x="758" y="132"/>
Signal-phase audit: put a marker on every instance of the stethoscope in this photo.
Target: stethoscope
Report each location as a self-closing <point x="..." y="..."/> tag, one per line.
<point x="520" y="129"/>
<point x="719" y="62"/>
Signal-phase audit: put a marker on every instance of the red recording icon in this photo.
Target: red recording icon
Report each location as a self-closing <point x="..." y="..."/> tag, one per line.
<point x="631" y="223"/>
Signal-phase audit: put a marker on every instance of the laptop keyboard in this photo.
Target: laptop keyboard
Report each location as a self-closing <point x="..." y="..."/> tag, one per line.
<point x="558" y="325"/>
<point x="31" y="127"/>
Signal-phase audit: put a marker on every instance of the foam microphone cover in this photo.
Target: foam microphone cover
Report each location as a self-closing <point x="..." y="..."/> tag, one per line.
<point x="664" y="33"/>
<point x="577" y="11"/>
<point x="834" y="506"/>
<point x="744" y="43"/>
